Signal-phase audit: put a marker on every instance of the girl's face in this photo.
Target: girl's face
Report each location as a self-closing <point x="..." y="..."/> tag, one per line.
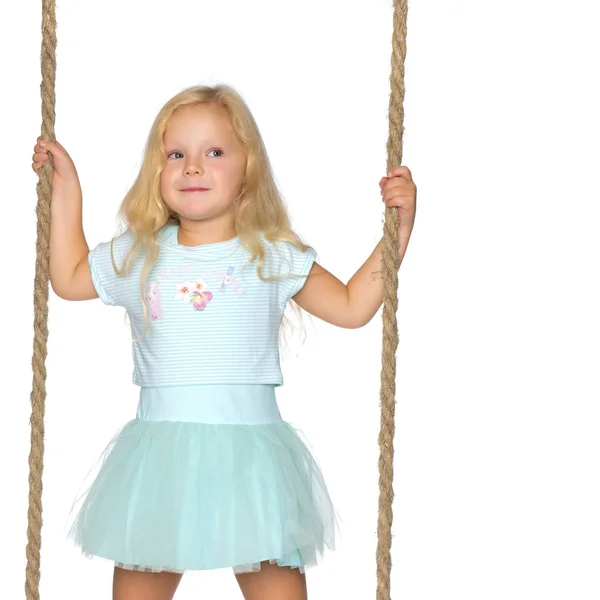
<point x="205" y="166"/>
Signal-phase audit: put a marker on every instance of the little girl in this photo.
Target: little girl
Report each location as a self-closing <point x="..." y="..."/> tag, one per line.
<point x="207" y="475"/>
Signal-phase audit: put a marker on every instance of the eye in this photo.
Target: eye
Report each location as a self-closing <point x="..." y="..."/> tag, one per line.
<point x="176" y="152"/>
<point x="216" y="150"/>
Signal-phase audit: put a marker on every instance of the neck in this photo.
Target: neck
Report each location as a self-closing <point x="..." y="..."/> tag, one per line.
<point x="195" y="233"/>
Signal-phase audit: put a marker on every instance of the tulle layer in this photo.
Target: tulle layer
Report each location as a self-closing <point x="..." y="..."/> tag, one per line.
<point x="180" y="496"/>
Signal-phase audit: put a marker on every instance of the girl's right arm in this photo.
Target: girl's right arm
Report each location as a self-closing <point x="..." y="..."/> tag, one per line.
<point x="70" y="275"/>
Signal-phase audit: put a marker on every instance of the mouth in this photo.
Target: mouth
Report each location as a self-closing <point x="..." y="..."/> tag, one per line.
<point x="194" y="189"/>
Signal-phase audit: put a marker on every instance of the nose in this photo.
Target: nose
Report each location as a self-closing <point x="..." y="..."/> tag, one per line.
<point x="193" y="168"/>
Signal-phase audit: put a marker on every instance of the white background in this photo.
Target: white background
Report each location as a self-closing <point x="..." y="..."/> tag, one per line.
<point x="497" y="444"/>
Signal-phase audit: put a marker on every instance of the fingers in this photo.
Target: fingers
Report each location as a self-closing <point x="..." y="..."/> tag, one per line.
<point x="40" y="155"/>
<point x="55" y="148"/>
<point x="43" y="148"/>
<point x="406" y="189"/>
<point x="398" y="189"/>
<point x="401" y="171"/>
<point x="40" y="158"/>
<point x="394" y="186"/>
<point x="396" y="177"/>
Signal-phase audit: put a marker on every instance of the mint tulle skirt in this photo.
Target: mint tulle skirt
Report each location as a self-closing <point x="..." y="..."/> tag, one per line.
<point x="206" y="477"/>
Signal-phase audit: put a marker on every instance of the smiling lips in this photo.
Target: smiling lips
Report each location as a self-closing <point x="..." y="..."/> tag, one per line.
<point x="194" y="189"/>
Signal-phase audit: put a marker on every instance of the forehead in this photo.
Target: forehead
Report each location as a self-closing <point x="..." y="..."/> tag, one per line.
<point x="198" y="122"/>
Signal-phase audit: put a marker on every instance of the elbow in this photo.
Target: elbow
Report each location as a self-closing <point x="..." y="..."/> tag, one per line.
<point x="62" y="291"/>
<point x="59" y="292"/>
<point x="56" y="289"/>
<point x="355" y="325"/>
<point x="358" y="316"/>
<point x="355" y="321"/>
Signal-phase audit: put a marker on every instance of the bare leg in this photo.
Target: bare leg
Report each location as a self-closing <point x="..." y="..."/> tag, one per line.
<point x="273" y="583"/>
<point x="138" y="585"/>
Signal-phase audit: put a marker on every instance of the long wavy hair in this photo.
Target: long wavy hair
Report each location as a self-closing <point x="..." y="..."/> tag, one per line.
<point x="258" y="208"/>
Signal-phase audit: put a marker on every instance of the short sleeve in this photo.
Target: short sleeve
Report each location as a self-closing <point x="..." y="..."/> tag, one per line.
<point x="108" y="284"/>
<point x="294" y="265"/>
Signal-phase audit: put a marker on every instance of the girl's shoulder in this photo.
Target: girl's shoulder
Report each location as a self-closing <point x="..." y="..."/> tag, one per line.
<point x="285" y="257"/>
<point x="112" y="252"/>
<point x="119" y="240"/>
<point x="121" y="243"/>
<point x="285" y="248"/>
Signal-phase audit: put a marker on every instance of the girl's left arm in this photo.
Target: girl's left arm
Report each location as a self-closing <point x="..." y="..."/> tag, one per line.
<point x="355" y="304"/>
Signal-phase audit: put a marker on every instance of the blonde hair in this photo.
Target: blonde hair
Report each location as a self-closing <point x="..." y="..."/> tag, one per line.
<point x="259" y="206"/>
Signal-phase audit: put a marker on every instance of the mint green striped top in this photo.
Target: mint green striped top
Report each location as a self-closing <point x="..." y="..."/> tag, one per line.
<point x="211" y="318"/>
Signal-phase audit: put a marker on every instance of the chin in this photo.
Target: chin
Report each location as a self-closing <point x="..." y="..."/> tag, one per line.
<point x="194" y="216"/>
<point x="199" y="215"/>
<point x="200" y="210"/>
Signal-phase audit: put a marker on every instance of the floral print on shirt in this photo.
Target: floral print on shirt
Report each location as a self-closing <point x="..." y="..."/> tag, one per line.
<point x="194" y="292"/>
<point x="153" y="297"/>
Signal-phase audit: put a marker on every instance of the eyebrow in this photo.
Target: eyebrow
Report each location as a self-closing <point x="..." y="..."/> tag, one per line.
<point x="177" y="147"/>
<point x="218" y="142"/>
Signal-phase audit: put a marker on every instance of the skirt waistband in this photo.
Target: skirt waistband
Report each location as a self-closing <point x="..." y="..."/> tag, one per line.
<point x="233" y="404"/>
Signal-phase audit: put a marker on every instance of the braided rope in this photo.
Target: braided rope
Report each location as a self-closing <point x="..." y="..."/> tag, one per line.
<point x="40" y="304"/>
<point x="390" y="307"/>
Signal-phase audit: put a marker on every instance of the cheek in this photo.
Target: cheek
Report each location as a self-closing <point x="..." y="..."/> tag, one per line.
<point x="229" y="177"/>
<point x="236" y="174"/>
<point x="166" y="181"/>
